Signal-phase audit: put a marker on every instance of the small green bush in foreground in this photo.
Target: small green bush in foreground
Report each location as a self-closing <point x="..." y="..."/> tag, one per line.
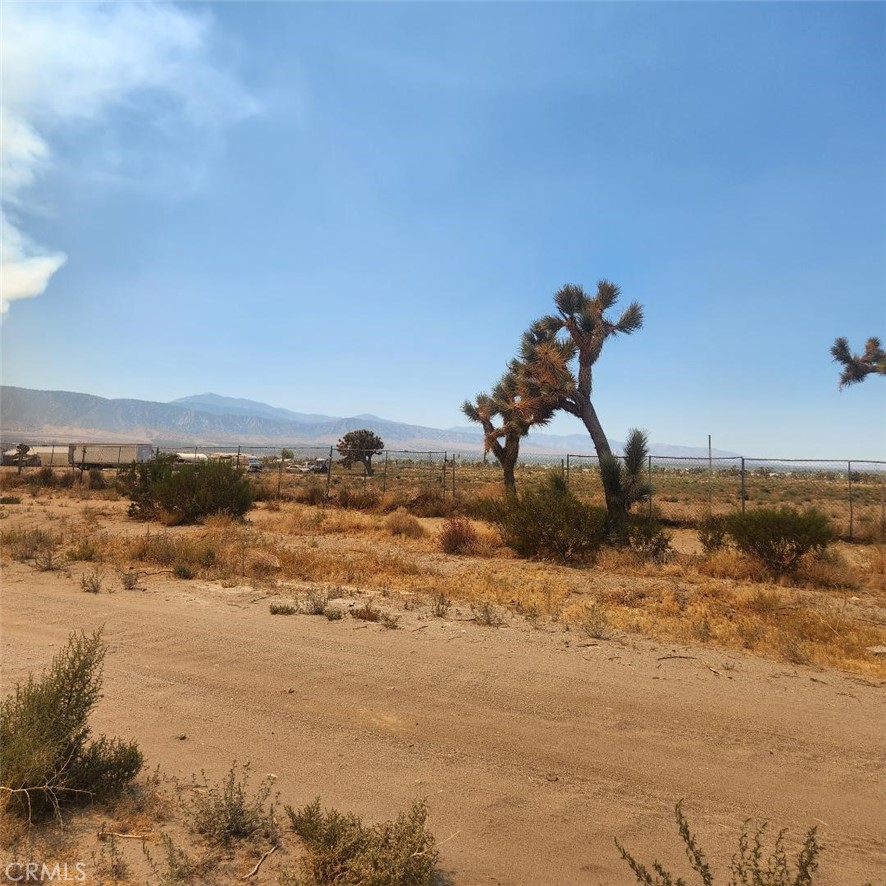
<point x="748" y="867"/>
<point x="779" y="538"/>
<point x="344" y="852"/>
<point x="227" y="812"/>
<point x="549" y="523"/>
<point x="47" y="760"/>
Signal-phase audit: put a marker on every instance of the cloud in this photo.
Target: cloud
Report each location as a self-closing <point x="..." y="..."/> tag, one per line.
<point x="69" y="65"/>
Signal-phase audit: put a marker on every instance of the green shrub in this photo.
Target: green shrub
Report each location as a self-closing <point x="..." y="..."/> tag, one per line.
<point x="344" y="852"/>
<point x="283" y="609"/>
<point x="10" y="500"/>
<point x="185" y="493"/>
<point x="647" y="538"/>
<point x="779" y="537"/>
<point x="713" y="534"/>
<point x="91" y="582"/>
<point x="47" y="760"/>
<point x="46" y="477"/>
<point x="183" y="571"/>
<point x="458" y="536"/>
<point x="178" y="868"/>
<point x="549" y="523"/>
<point x="97" y="479"/>
<point x="747" y="863"/>
<point x="86" y="551"/>
<point x="226" y="812"/>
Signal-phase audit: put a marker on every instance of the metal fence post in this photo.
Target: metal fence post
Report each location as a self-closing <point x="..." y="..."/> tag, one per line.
<point x="453" y="476"/>
<point x="279" y="475"/>
<point x="650" y="487"/>
<point x="849" y="475"/>
<point x="710" y="480"/>
<point x="567" y="470"/>
<point x="882" y="505"/>
<point x="744" y="493"/>
<point x="384" y="474"/>
<point x="329" y="472"/>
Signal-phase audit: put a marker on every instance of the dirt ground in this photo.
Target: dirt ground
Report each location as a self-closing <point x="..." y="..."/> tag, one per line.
<point x="533" y="745"/>
<point x="534" y="748"/>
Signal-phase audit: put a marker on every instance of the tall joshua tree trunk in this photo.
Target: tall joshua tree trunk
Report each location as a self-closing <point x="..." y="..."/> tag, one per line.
<point x="549" y="357"/>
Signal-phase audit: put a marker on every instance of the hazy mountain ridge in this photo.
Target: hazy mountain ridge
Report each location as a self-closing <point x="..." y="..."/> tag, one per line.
<point x="210" y="419"/>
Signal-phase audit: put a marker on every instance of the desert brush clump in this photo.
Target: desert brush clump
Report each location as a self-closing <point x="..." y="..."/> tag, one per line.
<point x="36" y="545"/>
<point x="47" y="758"/>
<point x="91" y="582"/>
<point x="357" y="499"/>
<point x="458" y="536"/>
<point x="748" y="866"/>
<point x="176" y="867"/>
<point x="367" y="612"/>
<point x="713" y="534"/>
<point x="779" y="538"/>
<point x="160" y="489"/>
<point x="345" y="852"/>
<point x="401" y="522"/>
<point x="228" y="811"/>
<point x="549" y="523"/>
<point x="647" y="538"/>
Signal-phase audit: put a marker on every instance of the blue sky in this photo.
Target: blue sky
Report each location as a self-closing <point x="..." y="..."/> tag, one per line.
<point x="351" y="208"/>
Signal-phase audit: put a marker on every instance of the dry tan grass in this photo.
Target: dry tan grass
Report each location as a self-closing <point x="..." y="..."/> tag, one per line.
<point x="827" y="614"/>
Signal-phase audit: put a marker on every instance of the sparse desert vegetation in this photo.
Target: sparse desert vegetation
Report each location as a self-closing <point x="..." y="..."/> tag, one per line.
<point x="387" y="566"/>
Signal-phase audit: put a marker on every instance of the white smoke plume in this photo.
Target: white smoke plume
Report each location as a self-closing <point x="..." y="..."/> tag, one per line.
<point x="69" y="64"/>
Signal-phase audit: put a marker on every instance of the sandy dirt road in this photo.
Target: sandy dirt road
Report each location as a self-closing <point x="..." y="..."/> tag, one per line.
<point x="534" y="748"/>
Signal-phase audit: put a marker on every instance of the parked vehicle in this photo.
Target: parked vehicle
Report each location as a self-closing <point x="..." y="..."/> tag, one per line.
<point x="253" y="465"/>
<point x="311" y="466"/>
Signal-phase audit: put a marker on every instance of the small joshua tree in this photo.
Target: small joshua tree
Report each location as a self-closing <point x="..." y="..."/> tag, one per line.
<point x="21" y="451"/>
<point x="360" y="446"/>
<point x="627" y="481"/>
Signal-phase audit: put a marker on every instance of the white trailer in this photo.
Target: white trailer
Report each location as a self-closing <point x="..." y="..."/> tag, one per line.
<point x="108" y="455"/>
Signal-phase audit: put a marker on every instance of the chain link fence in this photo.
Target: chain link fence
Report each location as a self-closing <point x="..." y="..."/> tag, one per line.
<point x="685" y="490"/>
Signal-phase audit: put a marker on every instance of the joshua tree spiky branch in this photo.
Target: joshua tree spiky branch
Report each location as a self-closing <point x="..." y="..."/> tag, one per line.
<point x="856" y="367"/>
<point x="516" y="404"/>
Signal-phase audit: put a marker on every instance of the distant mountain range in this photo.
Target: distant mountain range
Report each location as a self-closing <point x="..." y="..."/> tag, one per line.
<point x="212" y="420"/>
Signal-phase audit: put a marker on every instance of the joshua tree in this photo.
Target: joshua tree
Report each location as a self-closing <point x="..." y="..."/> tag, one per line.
<point x="856" y="367"/>
<point x="360" y="446"/>
<point x="518" y="404"/>
<point x="560" y="351"/>
<point x="628" y="477"/>
<point x="22" y="450"/>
